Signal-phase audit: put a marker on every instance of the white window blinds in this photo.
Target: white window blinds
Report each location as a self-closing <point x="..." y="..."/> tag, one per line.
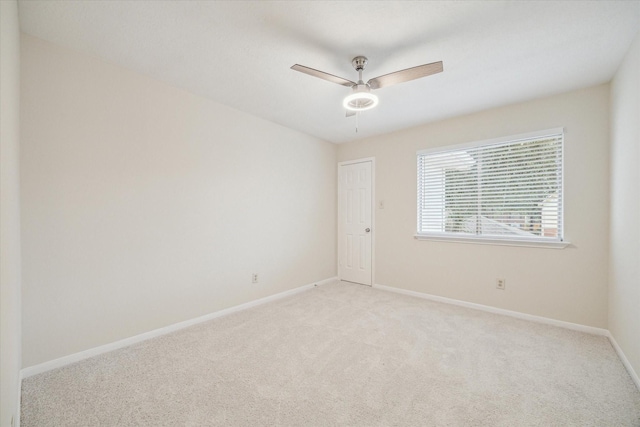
<point x="508" y="189"/>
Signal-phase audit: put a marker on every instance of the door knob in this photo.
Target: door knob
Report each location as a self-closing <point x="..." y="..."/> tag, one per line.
<point x="367" y="230"/>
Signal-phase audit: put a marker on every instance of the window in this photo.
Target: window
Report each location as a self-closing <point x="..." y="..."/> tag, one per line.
<point x="505" y="190"/>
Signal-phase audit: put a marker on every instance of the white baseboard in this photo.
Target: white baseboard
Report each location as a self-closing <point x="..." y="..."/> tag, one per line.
<point x="16" y="420"/>
<point x="530" y="317"/>
<point x="516" y="314"/>
<point x="76" y="357"/>
<point x="625" y="361"/>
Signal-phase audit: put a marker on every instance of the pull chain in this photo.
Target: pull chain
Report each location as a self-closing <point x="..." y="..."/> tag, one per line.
<point x="357" y="114"/>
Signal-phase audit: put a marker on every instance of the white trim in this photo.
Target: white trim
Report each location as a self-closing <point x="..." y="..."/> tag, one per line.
<point x="538" y="319"/>
<point x="480" y="240"/>
<point x="512" y="138"/>
<point x="16" y="420"/>
<point x="625" y="361"/>
<point x="374" y="228"/>
<point x="353" y="162"/>
<point x="373" y="213"/>
<point x="495" y="310"/>
<point x="76" y="357"/>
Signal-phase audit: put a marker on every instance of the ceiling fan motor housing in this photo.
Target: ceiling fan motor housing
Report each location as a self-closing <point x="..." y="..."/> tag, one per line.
<point x="359" y="62"/>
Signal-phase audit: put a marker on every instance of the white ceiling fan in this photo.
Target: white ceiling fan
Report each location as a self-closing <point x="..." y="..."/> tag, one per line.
<point x="361" y="98"/>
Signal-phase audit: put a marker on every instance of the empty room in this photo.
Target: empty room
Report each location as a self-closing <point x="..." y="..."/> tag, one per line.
<point x="314" y="213"/>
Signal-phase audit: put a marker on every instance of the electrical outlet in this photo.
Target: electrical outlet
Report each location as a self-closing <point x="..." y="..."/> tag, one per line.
<point x="500" y="284"/>
<point x="254" y="278"/>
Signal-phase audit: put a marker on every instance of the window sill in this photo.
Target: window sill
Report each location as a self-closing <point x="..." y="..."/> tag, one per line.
<point x="493" y="241"/>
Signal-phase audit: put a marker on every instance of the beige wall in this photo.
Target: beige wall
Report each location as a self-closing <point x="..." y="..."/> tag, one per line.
<point x="140" y="206"/>
<point x="568" y="284"/>
<point x="145" y="205"/>
<point x="624" y="285"/>
<point x="9" y="212"/>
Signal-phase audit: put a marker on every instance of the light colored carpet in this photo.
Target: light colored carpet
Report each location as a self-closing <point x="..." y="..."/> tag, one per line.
<point x="344" y="354"/>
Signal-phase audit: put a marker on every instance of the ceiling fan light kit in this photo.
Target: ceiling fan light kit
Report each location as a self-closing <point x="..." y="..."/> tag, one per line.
<point x="361" y="98"/>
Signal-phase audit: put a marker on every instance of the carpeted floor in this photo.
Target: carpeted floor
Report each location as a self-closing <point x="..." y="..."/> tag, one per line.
<point x="344" y="354"/>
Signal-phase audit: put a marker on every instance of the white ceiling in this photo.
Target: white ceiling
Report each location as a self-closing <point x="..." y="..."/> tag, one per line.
<point x="239" y="53"/>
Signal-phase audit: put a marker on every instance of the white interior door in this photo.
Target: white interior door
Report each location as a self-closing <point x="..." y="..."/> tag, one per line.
<point x="355" y="222"/>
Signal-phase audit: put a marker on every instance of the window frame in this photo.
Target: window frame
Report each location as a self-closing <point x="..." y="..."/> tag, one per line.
<point x="444" y="236"/>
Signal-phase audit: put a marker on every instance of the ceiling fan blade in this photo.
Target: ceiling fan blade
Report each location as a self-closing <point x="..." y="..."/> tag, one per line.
<point x="350" y="113"/>
<point x="405" y="75"/>
<point x="323" y="75"/>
